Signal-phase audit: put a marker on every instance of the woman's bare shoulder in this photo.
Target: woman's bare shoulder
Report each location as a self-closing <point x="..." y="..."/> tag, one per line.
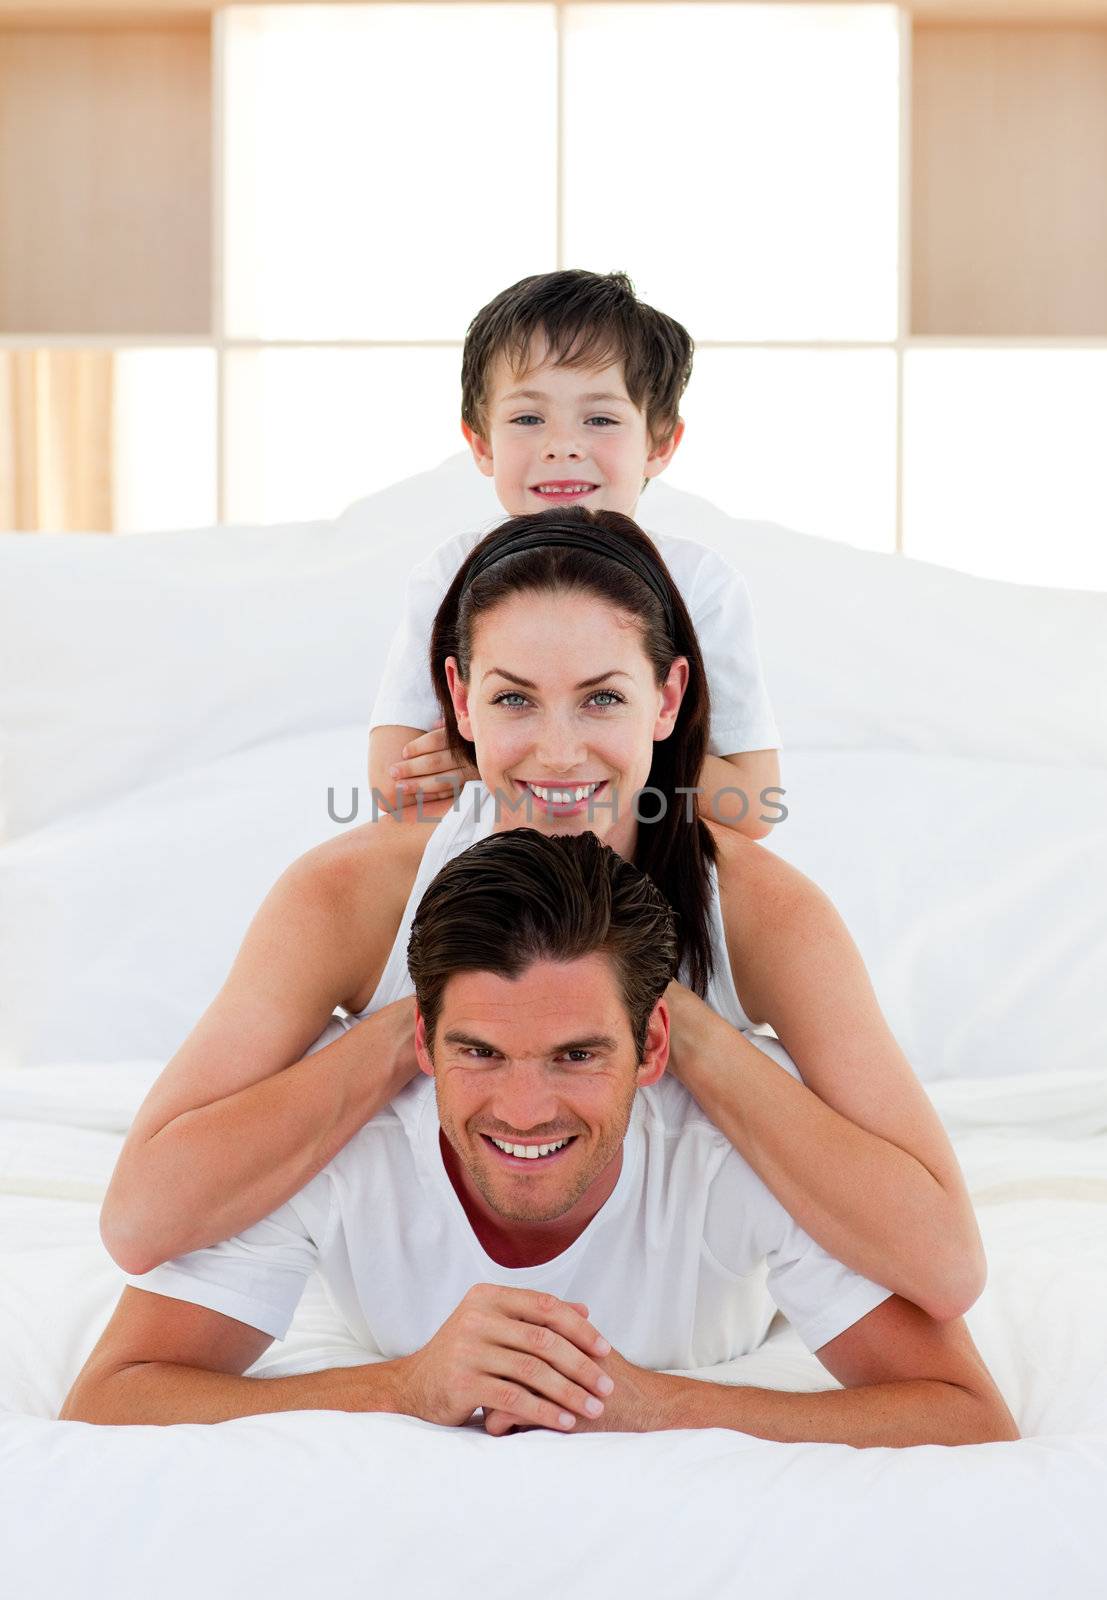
<point x="757" y="888"/>
<point x="365" y="867"/>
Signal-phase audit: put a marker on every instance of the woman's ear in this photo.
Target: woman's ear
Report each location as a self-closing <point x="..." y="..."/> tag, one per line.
<point x="671" y="696"/>
<point x="459" y="694"/>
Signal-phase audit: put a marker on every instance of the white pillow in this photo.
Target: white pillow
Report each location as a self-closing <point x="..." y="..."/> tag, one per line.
<point x="125" y="660"/>
<point x="117" y="927"/>
<point x="979" y="914"/>
<point x="868" y="651"/>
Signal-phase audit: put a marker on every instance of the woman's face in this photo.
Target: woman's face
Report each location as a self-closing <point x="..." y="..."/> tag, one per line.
<point x="562" y="698"/>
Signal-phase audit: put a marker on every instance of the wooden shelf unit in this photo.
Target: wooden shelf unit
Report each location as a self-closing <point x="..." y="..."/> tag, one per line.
<point x="109" y="181"/>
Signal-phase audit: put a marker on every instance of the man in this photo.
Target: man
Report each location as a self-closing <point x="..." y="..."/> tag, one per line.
<point x="560" y="1163"/>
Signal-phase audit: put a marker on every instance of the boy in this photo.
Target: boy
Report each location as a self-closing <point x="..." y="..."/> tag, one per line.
<point x="571" y="390"/>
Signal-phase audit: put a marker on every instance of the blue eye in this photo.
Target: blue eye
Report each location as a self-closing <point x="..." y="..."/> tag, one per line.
<point x="529" y="417"/>
<point x="612" y="698"/>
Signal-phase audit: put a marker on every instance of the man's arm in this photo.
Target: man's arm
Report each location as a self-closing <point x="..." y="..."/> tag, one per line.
<point x="908" y="1380"/>
<point x="161" y="1360"/>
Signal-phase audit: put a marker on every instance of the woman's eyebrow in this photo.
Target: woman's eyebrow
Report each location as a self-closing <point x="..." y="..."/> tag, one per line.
<point x="525" y="683"/>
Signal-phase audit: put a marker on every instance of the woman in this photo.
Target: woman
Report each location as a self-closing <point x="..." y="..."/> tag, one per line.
<point x="563" y="658"/>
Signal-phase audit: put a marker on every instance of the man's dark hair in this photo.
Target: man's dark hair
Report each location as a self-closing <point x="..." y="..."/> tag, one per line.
<point x="522" y="896"/>
<point x="588" y="319"/>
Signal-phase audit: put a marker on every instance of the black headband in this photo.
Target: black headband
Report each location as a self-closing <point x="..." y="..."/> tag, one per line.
<point x="537" y="540"/>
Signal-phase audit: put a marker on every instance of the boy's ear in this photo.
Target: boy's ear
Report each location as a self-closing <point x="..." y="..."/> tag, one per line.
<point x="482" y="452"/>
<point x="459" y="694"/>
<point x="659" y="459"/>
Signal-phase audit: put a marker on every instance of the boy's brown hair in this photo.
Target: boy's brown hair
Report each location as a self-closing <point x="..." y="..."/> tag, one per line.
<point x="588" y="319"/>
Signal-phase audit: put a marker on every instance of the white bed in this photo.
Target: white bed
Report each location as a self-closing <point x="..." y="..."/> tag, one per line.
<point x="173" y="710"/>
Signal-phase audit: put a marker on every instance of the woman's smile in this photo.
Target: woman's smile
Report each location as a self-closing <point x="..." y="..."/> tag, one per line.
<point x="563" y="799"/>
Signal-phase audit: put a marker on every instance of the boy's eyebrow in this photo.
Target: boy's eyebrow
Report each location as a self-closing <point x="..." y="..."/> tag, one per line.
<point x="525" y="683"/>
<point x="536" y="394"/>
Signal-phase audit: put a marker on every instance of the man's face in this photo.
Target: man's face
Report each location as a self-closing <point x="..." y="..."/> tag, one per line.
<point x="544" y="1058"/>
<point x="540" y="735"/>
<point x="570" y="426"/>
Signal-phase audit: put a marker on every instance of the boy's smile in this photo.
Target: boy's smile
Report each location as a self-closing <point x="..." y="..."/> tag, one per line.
<point x="561" y="435"/>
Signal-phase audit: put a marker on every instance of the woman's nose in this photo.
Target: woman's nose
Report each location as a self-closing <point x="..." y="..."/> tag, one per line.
<point x="560" y="748"/>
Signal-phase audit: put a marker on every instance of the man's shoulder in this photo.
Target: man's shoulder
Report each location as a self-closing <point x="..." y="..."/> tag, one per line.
<point x="398" y="1124"/>
<point x="671" y="1111"/>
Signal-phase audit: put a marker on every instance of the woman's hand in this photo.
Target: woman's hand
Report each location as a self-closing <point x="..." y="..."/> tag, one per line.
<point x="428" y="767"/>
<point x="690" y="1018"/>
<point x="394" y="1041"/>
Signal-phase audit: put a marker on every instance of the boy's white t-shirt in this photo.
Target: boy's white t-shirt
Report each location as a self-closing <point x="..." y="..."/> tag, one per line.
<point x="718" y="603"/>
<point x="674" y="1267"/>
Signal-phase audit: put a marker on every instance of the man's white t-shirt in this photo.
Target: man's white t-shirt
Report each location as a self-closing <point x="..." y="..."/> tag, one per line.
<point x="674" y="1267"/>
<point x="718" y="603"/>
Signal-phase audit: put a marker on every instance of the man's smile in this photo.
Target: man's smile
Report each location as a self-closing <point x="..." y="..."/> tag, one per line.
<point x="538" y="1155"/>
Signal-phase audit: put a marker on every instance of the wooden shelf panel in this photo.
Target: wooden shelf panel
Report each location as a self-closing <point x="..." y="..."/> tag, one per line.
<point x="1009" y="193"/>
<point x="105" y="173"/>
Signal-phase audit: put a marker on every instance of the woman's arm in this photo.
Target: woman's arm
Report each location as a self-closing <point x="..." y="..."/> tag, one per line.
<point x="856" y="1153"/>
<point x="241" y="1118"/>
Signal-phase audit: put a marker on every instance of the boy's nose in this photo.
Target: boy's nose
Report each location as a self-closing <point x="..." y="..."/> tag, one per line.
<point x="562" y="444"/>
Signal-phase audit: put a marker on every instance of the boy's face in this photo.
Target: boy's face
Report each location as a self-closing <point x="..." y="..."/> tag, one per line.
<point x="570" y="426"/>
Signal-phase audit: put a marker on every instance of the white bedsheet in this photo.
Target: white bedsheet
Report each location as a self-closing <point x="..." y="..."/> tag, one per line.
<point x="271" y="1504"/>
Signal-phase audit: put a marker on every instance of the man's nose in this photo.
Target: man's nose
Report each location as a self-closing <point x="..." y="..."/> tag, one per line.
<point x="525" y="1100"/>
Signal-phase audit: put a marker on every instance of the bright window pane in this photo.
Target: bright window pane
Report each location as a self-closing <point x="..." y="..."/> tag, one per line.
<point x="389" y="168"/>
<point x="740" y="162"/>
<point x="802" y="437"/>
<point x="308" y="431"/>
<point x="1005" y="473"/>
<point x="164" y="465"/>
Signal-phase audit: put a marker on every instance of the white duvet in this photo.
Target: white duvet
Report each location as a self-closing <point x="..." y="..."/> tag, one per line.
<point x="353" y="1505"/>
<point x="173" y="710"/>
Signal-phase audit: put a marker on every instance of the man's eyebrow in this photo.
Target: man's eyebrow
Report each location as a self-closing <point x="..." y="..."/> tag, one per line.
<point x="525" y="683"/>
<point x="536" y="394"/>
<point x="597" y="1041"/>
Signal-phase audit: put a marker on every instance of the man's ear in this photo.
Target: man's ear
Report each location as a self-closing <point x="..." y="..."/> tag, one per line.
<point x="459" y="694"/>
<point x="659" y="458"/>
<point x="655" y="1052"/>
<point x="482" y="450"/>
<point x="422" y="1054"/>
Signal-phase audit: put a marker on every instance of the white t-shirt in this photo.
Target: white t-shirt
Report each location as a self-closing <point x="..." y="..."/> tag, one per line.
<point x="674" y="1267"/>
<point x="718" y="603"/>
